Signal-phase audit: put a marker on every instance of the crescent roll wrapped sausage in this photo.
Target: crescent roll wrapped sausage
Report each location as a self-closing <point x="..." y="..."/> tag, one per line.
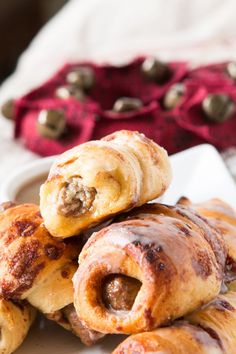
<point x="221" y="216"/>
<point x="98" y="179"/>
<point x="38" y="267"/>
<point x="169" y="258"/>
<point x="210" y="330"/>
<point x="15" y="321"/>
<point x="219" y="320"/>
<point x="181" y="338"/>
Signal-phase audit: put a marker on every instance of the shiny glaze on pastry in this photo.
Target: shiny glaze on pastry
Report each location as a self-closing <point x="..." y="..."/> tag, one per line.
<point x="221" y="216"/>
<point x="98" y="179"/>
<point x="171" y="251"/>
<point x="37" y="267"/>
<point x="210" y="330"/>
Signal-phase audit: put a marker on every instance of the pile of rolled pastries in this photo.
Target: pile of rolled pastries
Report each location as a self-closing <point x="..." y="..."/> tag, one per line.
<point x="98" y="259"/>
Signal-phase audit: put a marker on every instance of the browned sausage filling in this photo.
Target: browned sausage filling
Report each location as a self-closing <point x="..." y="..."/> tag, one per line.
<point x="87" y="336"/>
<point x="119" y="291"/>
<point x="68" y="319"/>
<point x="74" y="198"/>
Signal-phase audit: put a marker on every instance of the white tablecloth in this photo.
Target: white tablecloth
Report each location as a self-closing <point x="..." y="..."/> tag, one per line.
<point x="115" y="31"/>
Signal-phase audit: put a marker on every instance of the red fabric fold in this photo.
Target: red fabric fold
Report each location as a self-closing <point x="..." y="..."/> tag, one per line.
<point x="184" y="126"/>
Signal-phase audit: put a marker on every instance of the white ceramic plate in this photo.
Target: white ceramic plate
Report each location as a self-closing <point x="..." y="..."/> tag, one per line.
<point x="198" y="173"/>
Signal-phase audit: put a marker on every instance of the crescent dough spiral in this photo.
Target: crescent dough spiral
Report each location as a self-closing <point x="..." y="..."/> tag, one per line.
<point x="171" y="251"/>
<point x="98" y="179"/>
<point x="38" y="268"/>
<point x="15" y="321"/>
<point x="210" y="330"/>
<point x="221" y="216"/>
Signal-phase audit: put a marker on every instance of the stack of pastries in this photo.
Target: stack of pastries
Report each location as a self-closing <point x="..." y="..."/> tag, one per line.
<point x="98" y="259"/>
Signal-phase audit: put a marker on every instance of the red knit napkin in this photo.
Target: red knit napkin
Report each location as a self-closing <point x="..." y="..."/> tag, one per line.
<point x="176" y="129"/>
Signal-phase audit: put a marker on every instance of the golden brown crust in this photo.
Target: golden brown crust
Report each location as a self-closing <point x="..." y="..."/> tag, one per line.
<point x="98" y="179"/>
<point x="15" y="321"/>
<point x="210" y="330"/>
<point x="29" y="254"/>
<point x="55" y="291"/>
<point x="142" y="247"/>
<point x="222" y="217"/>
<point x="218" y="319"/>
<point x="177" y="339"/>
<point x="39" y="268"/>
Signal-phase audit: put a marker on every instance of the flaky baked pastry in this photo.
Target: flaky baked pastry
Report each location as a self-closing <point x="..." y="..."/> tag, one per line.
<point x="221" y="216"/>
<point x="210" y="330"/>
<point x="15" y="321"/>
<point x="37" y="267"/>
<point x="98" y="179"/>
<point x="156" y="265"/>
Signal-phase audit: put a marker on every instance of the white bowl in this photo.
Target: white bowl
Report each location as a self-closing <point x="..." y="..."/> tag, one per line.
<point x="24" y="176"/>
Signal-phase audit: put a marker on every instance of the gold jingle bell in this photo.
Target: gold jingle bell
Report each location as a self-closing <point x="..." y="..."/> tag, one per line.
<point x="82" y="77"/>
<point x="126" y="104"/>
<point x="155" y="70"/>
<point x="218" y="107"/>
<point x="7" y="109"/>
<point x="174" y="95"/>
<point x="51" y="123"/>
<point x="65" y="92"/>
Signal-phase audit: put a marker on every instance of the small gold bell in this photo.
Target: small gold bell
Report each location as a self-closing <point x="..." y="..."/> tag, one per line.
<point x="218" y="107"/>
<point x="82" y="77"/>
<point x="7" y="109"/>
<point x="126" y="104"/>
<point x="51" y="123"/>
<point x="155" y="70"/>
<point x="65" y="92"/>
<point x="174" y="95"/>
